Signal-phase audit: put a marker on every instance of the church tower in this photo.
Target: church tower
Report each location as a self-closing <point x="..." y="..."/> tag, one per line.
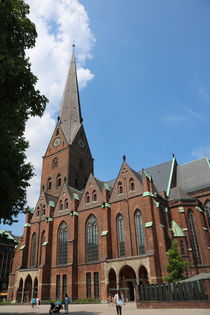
<point x="68" y="158"/>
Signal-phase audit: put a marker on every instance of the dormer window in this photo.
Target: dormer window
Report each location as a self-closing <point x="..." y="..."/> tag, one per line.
<point x="131" y="184"/>
<point x="94" y="196"/>
<point x="120" y="188"/>
<point x="49" y="183"/>
<point x="87" y="198"/>
<point x="58" y="181"/>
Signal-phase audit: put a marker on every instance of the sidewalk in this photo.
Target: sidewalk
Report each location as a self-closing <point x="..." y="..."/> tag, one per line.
<point x="98" y="309"/>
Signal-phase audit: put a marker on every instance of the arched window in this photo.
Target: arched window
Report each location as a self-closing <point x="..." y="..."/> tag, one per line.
<point x="42" y="242"/>
<point x="60" y="205"/>
<point x="207" y="211"/>
<point x="57" y="132"/>
<point x="139" y="232"/>
<point x="43" y="210"/>
<point x="62" y="244"/>
<point x="55" y="162"/>
<point x="58" y="180"/>
<point x="49" y="183"/>
<point x="94" y="196"/>
<point x="193" y="237"/>
<point x="66" y="204"/>
<point x="131" y="184"/>
<point x="37" y="212"/>
<point x="33" y="251"/>
<point x="87" y="198"/>
<point x="92" y="239"/>
<point x="121" y="236"/>
<point x="120" y="188"/>
<point x="181" y="243"/>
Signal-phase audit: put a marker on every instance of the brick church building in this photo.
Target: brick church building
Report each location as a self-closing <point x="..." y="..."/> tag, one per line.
<point x="88" y="238"/>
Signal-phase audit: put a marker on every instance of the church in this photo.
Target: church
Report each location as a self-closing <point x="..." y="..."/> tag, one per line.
<point x="88" y="238"/>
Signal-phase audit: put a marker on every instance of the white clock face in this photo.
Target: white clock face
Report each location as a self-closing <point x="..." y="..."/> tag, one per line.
<point x="57" y="142"/>
<point x="81" y="143"/>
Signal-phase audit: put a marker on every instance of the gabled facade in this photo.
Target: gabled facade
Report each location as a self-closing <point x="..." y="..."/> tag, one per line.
<point x="89" y="238"/>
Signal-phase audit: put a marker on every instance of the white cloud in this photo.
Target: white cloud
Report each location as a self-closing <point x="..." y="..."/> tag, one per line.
<point x="201" y="151"/>
<point x="204" y="94"/>
<point x="174" y="118"/>
<point x="59" y="24"/>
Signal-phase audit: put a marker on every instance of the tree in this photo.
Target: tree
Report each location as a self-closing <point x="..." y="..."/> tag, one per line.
<point x="176" y="266"/>
<point x="19" y="100"/>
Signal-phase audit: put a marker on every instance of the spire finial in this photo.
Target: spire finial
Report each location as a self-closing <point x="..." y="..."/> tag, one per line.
<point x="124" y="157"/>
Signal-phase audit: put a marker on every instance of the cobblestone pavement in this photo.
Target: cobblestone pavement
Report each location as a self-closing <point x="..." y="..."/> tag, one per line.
<point x="99" y="309"/>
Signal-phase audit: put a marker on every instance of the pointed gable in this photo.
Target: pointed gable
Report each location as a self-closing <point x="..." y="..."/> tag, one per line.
<point x="127" y="184"/>
<point x="93" y="194"/>
<point x="70" y="115"/>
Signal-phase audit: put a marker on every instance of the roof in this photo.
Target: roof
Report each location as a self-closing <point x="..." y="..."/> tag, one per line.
<point x="160" y="175"/>
<point x="200" y="276"/>
<point x="71" y="118"/>
<point x="194" y="176"/>
<point x="177" y="193"/>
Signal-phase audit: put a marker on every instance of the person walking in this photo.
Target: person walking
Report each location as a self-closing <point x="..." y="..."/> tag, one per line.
<point x="119" y="302"/>
<point x="66" y="303"/>
<point x="33" y="302"/>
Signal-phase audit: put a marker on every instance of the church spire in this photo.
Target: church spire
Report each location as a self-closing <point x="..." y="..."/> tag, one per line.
<point x="71" y="118"/>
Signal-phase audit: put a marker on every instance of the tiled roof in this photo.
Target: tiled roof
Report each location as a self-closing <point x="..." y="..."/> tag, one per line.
<point x="194" y="176"/>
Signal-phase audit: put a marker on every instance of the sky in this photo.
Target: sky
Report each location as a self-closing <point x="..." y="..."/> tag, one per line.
<point x="143" y="69"/>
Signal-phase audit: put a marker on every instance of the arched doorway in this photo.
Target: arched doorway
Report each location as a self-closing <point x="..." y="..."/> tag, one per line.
<point x="143" y="275"/>
<point x="112" y="285"/>
<point x="35" y="293"/>
<point x="27" y="290"/>
<point x="127" y="280"/>
<point x="19" y="291"/>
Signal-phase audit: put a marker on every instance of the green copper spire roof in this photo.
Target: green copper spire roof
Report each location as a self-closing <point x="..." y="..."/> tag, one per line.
<point x="70" y="115"/>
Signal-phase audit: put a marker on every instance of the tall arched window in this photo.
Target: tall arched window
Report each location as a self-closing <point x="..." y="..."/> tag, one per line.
<point x="43" y="210"/>
<point x="62" y="244"/>
<point x="193" y="237"/>
<point x="87" y="197"/>
<point x="66" y="204"/>
<point x="207" y="211"/>
<point x="42" y="242"/>
<point x="33" y="250"/>
<point x="92" y="239"/>
<point x="120" y="188"/>
<point x="55" y="162"/>
<point x="49" y="183"/>
<point x="60" y="205"/>
<point x="58" y="180"/>
<point x="121" y="236"/>
<point x="94" y="196"/>
<point x="131" y="184"/>
<point x="139" y="232"/>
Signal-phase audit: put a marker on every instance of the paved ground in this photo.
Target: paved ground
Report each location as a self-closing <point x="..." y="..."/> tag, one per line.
<point x="99" y="309"/>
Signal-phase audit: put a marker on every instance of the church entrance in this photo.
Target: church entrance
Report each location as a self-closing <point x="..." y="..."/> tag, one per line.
<point x="19" y="291"/>
<point x="127" y="279"/>
<point x="143" y="275"/>
<point x="27" y="290"/>
<point x="112" y="286"/>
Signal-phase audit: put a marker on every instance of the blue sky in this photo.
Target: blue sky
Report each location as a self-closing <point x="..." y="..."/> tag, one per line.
<point x="144" y="77"/>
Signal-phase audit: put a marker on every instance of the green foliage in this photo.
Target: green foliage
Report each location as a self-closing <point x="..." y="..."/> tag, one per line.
<point x="19" y="100"/>
<point x="176" y="266"/>
<point x="6" y="302"/>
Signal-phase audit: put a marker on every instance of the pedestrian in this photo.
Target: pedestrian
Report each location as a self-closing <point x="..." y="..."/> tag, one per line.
<point x="67" y="301"/>
<point x="33" y="302"/>
<point x="37" y="302"/>
<point x="119" y="302"/>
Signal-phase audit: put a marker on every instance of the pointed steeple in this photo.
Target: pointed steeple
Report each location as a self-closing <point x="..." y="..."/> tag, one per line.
<point x="71" y="118"/>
